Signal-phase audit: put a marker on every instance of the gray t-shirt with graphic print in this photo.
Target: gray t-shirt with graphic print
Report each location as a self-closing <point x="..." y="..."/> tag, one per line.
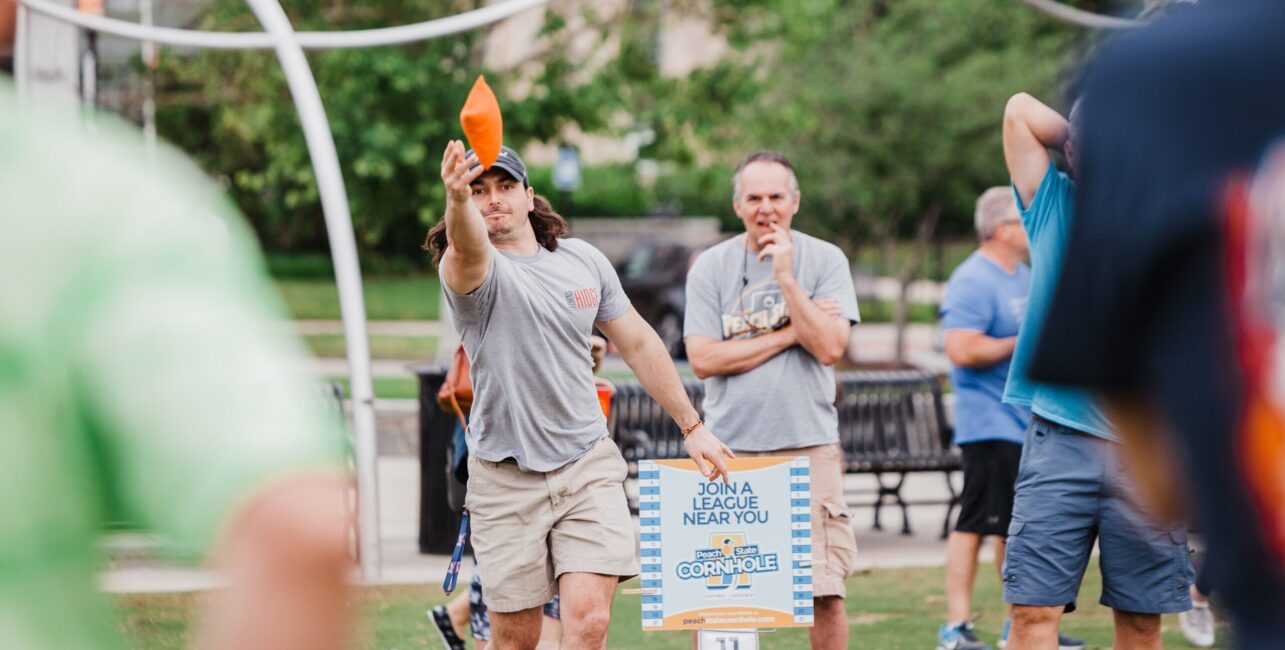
<point x="788" y="402"/>
<point x="526" y="332"/>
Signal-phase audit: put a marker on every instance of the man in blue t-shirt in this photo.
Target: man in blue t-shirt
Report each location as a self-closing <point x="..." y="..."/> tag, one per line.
<point x="981" y="313"/>
<point x="1071" y="489"/>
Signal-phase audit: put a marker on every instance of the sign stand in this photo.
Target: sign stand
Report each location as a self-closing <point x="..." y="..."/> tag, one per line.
<point x="727" y="640"/>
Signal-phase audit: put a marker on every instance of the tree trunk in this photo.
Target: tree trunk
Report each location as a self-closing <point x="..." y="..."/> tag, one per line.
<point x="906" y="274"/>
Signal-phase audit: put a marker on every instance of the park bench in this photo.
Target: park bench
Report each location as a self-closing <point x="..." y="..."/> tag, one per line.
<point x="890" y="424"/>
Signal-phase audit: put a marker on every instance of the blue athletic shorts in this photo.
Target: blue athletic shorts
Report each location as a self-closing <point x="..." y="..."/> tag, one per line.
<point x="1071" y="491"/>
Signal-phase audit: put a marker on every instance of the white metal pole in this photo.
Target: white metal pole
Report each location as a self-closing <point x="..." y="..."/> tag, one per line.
<point x="146" y="17"/>
<point x="22" y="55"/>
<point x="398" y="35"/>
<point x="343" y="248"/>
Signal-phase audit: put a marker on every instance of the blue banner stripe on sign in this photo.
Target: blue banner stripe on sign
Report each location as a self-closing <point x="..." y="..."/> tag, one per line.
<point x="802" y="548"/>
<point x="653" y="600"/>
<point x="651" y="584"/>
<point x="651" y="552"/>
<point x="798" y="611"/>
<point x="647" y="615"/>
<point x="802" y="580"/>
<point x="650" y="537"/>
<point x="655" y="505"/>
<point x="798" y="471"/>
<point x="651" y="568"/>
<point x="800" y="503"/>
<point x="802" y="564"/>
<point x="799" y="487"/>
<point x="803" y="595"/>
<point x="649" y="490"/>
<point x="800" y="533"/>
<point x="642" y="476"/>
<point x="798" y="519"/>
<point x="649" y="521"/>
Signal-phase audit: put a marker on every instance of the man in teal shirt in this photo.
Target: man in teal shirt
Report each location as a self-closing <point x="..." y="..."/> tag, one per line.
<point x="1071" y="489"/>
<point x="145" y="377"/>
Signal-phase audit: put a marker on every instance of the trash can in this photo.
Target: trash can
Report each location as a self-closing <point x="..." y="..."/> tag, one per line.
<point x="438" y="523"/>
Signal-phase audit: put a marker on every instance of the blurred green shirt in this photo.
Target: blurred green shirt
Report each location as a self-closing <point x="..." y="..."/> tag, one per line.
<point x="146" y="374"/>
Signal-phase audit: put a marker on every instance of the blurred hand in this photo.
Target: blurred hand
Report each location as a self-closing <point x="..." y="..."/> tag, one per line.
<point x="709" y="453"/>
<point x="597" y="350"/>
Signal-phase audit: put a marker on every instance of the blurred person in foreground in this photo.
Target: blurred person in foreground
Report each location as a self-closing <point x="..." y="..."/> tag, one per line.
<point x="1071" y="491"/>
<point x="1172" y="302"/>
<point x="144" y="378"/>
<point x="768" y="316"/>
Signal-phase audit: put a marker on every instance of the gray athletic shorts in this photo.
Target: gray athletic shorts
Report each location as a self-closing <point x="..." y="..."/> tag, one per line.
<point x="1071" y="491"/>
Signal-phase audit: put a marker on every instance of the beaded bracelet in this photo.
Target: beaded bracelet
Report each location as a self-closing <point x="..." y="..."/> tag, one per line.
<point x="687" y="431"/>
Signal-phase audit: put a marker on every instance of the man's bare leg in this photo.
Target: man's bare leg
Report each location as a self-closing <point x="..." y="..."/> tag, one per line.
<point x="515" y="630"/>
<point x="829" y="624"/>
<point x="1035" y="628"/>
<point x="1001" y="547"/>
<point x="550" y="634"/>
<point x="961" y="571"/>
<point x="586" y="609"/>
<point x="458" y="611"/>
<point x="1135" y="631"/>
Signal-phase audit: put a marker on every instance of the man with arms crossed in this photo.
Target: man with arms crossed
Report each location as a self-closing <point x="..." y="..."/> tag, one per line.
<point x="546" y="485"/>
<point x="768" y="314"/>
<point x="1071" y="488"/>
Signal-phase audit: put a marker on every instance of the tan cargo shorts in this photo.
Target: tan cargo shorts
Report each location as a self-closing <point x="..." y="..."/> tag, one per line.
<point x="529" y="528"/>
<point x="834" y="546"/>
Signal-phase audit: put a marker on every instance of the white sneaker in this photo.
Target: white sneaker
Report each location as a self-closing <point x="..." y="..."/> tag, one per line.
<point x="1197" y="625"/>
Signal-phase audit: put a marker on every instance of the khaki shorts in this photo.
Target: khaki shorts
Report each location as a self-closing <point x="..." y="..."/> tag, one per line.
<point x="834" y="546"/>
<point x="529" y="528"/>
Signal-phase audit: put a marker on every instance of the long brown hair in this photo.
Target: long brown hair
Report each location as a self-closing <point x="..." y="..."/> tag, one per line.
<point x="547" y="224"/>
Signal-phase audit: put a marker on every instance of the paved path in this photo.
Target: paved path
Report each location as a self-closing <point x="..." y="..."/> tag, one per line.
<point x="133" y="570"/>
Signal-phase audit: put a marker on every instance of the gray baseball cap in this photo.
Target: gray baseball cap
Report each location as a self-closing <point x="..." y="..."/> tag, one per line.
<point x="510" y="162"/>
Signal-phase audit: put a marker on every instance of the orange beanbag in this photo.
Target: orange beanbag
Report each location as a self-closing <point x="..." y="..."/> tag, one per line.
<point x="482" y="123"/>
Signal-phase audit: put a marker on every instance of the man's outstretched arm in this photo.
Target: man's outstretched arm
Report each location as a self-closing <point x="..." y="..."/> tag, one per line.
<point x="646" y="355"/>
<point x="1030" y="130"/>
<point x="468" y="253"/>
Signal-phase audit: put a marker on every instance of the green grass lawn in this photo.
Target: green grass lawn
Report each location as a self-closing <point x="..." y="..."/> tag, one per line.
<point x="416" y="297"/>
<point x="381" y="347"/>
<point x="410" y="297"/>
<point x="890" y="609"/>
<point x="385" y="387"/>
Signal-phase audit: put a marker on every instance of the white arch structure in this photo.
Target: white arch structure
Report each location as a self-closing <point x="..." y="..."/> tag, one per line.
<point x="280" y="36"/>
<point x="1081" y="17"/>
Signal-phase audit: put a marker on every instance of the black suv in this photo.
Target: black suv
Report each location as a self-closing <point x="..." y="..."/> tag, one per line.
<point x="655" y="279"/>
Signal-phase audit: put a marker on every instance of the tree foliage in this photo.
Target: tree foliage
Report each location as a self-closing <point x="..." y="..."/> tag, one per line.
<point x="391" y="111"/>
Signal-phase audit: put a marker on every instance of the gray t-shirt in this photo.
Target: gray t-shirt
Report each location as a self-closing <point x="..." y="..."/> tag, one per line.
<point x="526" y="332"/>
<point x="788" y="402"/>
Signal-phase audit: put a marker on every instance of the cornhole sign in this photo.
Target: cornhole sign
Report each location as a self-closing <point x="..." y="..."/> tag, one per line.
<point x="729" y="556"/>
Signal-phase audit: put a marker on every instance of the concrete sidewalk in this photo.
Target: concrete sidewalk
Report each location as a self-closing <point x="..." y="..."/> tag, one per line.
<point x="131" y="568"/>
<point x="873" y="343"/>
